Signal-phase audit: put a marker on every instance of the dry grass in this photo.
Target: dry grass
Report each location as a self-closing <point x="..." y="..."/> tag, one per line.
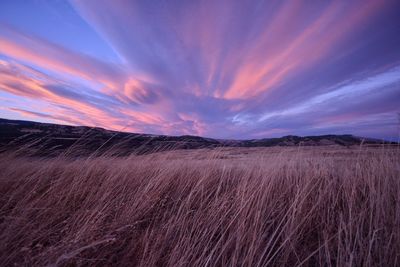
<point x="227" y="207"/>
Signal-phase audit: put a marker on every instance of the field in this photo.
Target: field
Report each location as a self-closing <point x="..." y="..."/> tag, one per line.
<point x="293" y="206"/>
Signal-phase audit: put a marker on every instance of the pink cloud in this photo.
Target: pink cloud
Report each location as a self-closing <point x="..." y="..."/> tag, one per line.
<point x="264" y="71"/>
<point x="47" y="55"/>
<point x="192" y="67"/>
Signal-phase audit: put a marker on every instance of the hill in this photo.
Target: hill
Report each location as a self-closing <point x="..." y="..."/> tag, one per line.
<point x="52" y="139"/>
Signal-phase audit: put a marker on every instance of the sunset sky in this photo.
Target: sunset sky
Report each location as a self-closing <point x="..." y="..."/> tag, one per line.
<point x="222" y="69"/>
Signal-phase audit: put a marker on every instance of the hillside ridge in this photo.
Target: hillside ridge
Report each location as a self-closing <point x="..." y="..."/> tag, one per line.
<point x="51" y="138"/>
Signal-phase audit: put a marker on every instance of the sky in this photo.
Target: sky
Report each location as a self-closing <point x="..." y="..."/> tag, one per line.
<point x="221" y="69"/>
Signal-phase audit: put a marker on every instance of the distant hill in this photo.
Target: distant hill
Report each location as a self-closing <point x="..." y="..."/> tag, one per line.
<point x="53" y="139"/>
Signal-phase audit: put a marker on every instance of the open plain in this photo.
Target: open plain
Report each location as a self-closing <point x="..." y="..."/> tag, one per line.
<point x="278" y="206"/>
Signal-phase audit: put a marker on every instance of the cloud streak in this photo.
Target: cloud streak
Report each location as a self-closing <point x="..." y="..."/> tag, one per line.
<point x="215" y="68"/>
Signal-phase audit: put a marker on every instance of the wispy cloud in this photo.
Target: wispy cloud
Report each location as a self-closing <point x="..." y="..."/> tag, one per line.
<point x="215" y="68"/>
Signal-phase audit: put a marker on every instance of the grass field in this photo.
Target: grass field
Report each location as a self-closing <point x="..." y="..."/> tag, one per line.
<point x="323" y="206"/>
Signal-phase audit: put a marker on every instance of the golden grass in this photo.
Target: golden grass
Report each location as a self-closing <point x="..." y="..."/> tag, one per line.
<point x="221" y="207"/>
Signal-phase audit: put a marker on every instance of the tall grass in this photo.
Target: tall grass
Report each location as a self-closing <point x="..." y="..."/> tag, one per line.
<point x="234" y="207"/>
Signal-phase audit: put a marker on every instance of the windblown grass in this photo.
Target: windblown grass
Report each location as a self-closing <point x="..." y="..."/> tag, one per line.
<point x="234" y="207"/>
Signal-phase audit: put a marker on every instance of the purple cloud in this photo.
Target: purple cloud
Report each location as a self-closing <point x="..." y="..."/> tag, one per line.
<point x="215" y="68"/>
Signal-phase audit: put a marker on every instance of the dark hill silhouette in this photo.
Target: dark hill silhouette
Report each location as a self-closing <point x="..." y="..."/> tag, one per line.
<point x="53" y="139"/>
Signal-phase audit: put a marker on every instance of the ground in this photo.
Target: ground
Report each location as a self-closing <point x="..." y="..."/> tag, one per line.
<point x="278" y="206"/>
